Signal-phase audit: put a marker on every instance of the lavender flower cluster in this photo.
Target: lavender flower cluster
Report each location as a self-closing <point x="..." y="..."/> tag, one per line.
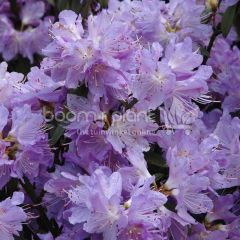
<point x="127" y="130"/>
<point x="25" y="34"/>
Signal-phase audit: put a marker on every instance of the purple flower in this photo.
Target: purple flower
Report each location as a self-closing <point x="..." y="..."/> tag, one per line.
<point x="130" y="83"/>
<point x="8" y="84"/>
<point x="181" y="57"/>
<point x="26" y="126"/>
<point x="185" y="184"/>
<point x="85" y="113"/>
<point x="155" y="82"/>
<point x="155" y="21"/>
<point x="3" y="117"/>
<point x="172" y="77"/>
<point x="73" y="232"/>
<point x="4" y="7"/>
<point x="128" y="135"/>
<point x="30" y="159"/>
<point x="33" y="40"/>
<point x="31" y="12"/>
<point x="31" y="37"/>
<point x="12" y="216"/>
<point x="144" y="221"/>
<point x="90" y="57"/>
<point x="5" y="164"/>
<point x="224" y="61"/>
<point x="190" y="196"/>
<point x="5" y="168"/>
<point x="97" y="200"/>
<point x="9" y="42"/>
<point x="222" y="209"/>
<point x="200" y="232"/>
<point x="184" y="18"/>
<point x="227" y="153"/>
<point x="98" y="203"/>
<point x="39" y="86"/>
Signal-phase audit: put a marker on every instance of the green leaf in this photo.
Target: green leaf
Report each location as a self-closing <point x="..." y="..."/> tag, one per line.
<point x="158" y="176"/>
<point x="62" y="5"/>
<point x="204" y="51"/>
<point x="80" y="91"/>
<point x="237" y="22"/>
<point x="228" y="19"/>
<point x="14" y="6"/>
<point x="52" y="2"/>
<point x="85" y="8"/>
<point x="76" y="6"/>
<point x="103" y="3"/>
<point x="57" y="134"/>
<point x="20" y="64"/>
<point x="155" y="159"/>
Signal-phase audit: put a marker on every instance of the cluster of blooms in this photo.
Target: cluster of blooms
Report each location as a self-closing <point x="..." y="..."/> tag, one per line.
<point x="226" y="78"/>
<point x="26" y="34"/>
<point x="126" y="81"/>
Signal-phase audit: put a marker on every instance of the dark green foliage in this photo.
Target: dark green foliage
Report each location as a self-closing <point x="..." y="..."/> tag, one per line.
<point x="228" y="19"/>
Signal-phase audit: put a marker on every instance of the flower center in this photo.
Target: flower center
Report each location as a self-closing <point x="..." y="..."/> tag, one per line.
<point x="159" y="79"/>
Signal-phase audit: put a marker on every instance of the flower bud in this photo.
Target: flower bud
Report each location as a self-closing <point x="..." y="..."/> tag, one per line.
<point x="212" y="4"/>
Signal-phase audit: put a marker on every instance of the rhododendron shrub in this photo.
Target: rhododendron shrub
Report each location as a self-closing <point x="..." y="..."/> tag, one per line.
<point x="119" y="120"/>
